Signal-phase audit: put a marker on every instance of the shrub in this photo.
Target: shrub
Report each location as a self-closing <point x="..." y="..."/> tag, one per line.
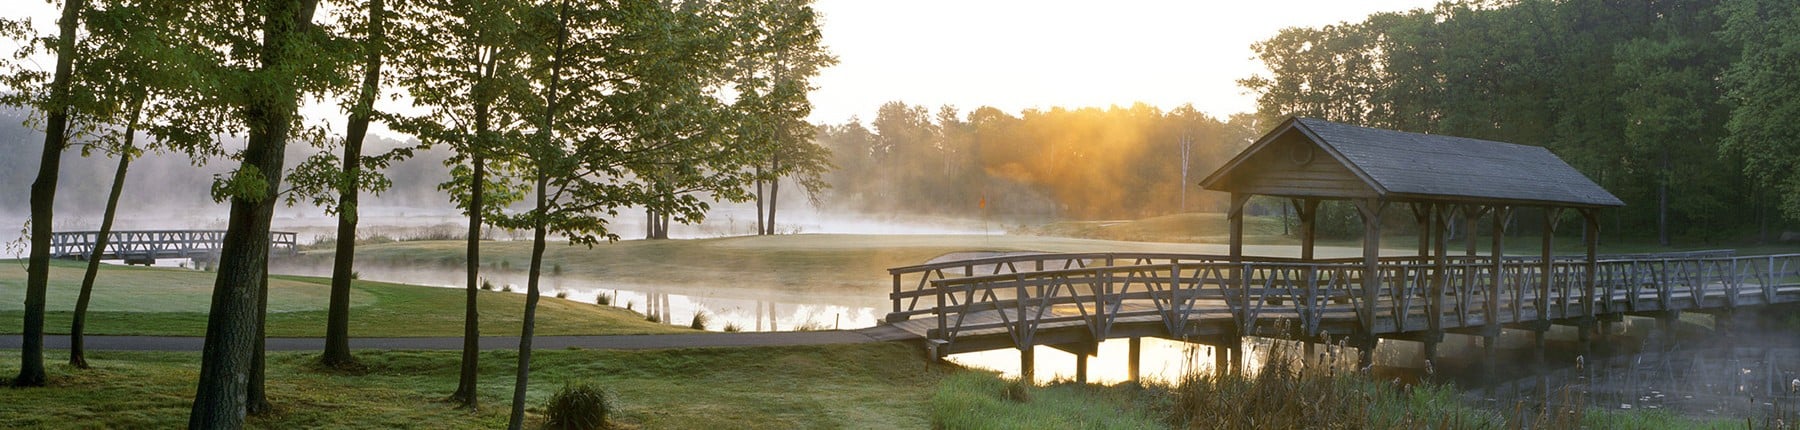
<point x="507" y="288"/>
<point x="579" y="405"/>
<point x="733" y="327"/>
<point x="603" y="299"/>
<point x="652" y="318"/>
<point x="485" y="285"/>
<point x="700" y="320"/>
<point x="562" y="294"/>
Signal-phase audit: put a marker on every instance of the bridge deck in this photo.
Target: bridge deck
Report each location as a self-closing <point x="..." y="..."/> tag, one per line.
<point x="989" y="303"/>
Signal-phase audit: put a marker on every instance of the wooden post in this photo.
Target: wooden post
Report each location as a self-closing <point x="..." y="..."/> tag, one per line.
<point x="1545" y="280"/>
<point x="1370" y="209"/>
<point x="1236" y="217"/>
<point x="1308" y="211"/>
<point x="1422" y="217"/>
<point x="1135" y="357"/>
<point x="1081" y="367"/>
<point x="1490" y="335"/>
<point x="1589" y="278"/>
<point x="1440" y="278"/>
<point x="1471" y="216"/>
<point x="1027" y="365"/>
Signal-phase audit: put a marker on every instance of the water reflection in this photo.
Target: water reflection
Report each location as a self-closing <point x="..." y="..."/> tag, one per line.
<point x="738" y="308"/>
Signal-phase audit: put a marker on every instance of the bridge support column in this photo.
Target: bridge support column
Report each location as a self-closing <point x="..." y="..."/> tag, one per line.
<point x="1027" y="365"/>
<point x="1489" y="355"/>
<point x="1665" y="327"/>
<point x="1135" y="356"/>
<point x="1081" y="368"/>
<point x="1537" y="348"/>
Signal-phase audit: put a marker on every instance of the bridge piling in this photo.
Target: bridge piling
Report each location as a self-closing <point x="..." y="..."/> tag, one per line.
<point x="1027" y="365"/>
<point x="1135" y="356"/>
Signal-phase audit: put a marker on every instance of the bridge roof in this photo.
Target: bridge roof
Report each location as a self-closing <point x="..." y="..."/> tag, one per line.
<point x="1404" y="166"/>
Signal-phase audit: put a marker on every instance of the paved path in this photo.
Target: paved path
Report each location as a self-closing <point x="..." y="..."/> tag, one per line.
<point x="657" y="341"/>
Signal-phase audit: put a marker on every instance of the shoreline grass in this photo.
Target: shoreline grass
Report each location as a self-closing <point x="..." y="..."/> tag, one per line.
<point x="160" y="302"/>
<point x="881" y="385"/>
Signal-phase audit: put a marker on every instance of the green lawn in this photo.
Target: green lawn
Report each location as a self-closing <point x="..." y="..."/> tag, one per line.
<point x="849" y="386"/>
<point x="164" y="301"/>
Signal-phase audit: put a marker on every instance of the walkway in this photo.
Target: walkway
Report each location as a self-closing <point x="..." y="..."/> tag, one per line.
<point x="620" y="342"/>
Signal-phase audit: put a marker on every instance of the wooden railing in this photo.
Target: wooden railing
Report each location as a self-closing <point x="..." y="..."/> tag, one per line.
<point x="153" y="244"/>
<point x="1024" y="294"/>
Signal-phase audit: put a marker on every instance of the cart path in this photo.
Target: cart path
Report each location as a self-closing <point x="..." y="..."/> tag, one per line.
<point x="617" y="342"/>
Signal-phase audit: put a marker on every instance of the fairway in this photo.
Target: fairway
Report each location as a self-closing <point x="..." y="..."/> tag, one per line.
<point x="174" y="302"/>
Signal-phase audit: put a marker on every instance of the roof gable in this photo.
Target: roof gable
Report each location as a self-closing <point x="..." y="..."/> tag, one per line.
<point x="1413" y="166"/>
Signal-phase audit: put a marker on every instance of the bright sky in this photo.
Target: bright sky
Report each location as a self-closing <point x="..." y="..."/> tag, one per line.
<point x="1018" y="54"/>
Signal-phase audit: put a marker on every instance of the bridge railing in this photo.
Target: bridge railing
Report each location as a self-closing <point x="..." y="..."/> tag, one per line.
<point x="1099" y="290"/>
<point x="157" y="243"/>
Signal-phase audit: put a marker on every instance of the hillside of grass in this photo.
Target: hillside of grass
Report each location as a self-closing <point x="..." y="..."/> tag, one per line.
<point x="848" y="386"/>
<point x="168" y="301"/>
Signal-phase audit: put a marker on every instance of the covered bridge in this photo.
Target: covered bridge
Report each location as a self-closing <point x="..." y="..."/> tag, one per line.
<point x="1308" y="160"/>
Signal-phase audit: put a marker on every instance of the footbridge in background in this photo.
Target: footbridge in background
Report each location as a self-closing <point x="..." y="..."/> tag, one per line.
<point x="146" y="246"/>
<point x="1072" y="301"/>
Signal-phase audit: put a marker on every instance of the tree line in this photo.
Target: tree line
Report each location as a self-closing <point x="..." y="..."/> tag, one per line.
<point x="1082" y="163"/>
<point x="571" y="109"/>
<point x="1682" y="108"/>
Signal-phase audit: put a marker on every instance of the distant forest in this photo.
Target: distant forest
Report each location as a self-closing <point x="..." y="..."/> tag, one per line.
<point x="1689" y="111"/>
<point x="1086" y="163"/>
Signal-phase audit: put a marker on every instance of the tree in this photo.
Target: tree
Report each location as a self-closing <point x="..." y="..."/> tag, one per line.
<point x="137" y="77"/>
<point x="460" y="60"/>
<point x="777" y="56"/>
<point x="270" y="64"/>
<point x="321" y="179"/>
<point x="1764" y="90"/>
<point x="57" y="106"/>
<point x="623" y="89"/>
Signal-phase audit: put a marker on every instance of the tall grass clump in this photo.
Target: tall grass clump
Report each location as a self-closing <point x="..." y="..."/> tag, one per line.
<point x="733" y="327"/>
<point x="1287" y="393"/>
<point x="603" y="299"/>
<point x="700" y="320"/>
<point x="562" y="294"/>
<point x="579" y="406"/>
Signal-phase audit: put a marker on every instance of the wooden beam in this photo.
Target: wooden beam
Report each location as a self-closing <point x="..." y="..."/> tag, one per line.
<point x="1370" y="209"/>
<point x="1135" y="356"/>
<point x="1308" y="210"/>
<point x="1236" y="217"/>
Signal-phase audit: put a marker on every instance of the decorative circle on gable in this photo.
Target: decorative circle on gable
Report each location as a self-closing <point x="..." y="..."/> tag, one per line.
<point x="1301" y="155"/>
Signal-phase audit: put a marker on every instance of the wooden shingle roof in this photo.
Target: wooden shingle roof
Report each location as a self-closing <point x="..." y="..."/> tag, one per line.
<point x="1406" y="166"/>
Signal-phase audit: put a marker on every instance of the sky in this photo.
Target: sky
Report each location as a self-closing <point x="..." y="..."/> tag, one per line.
<point x="1020" y="54"/>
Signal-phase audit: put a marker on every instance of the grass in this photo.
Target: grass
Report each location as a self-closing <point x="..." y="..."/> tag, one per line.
<point x="173" y="302"/>
<point x="848" y="386"/>
<point x="979" y="401"/>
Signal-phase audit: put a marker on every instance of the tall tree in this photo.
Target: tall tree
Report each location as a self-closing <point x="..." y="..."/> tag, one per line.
<point x="271" y="69"/>
<point x="57" y="107"/>
<point x="460" y="60"/>
<point x="622" y="88"/>
<point x="1764" y="91"/>
<point x="777" y="55"/>
<point x="322" y="179"/>
<point x="137" y="74"/>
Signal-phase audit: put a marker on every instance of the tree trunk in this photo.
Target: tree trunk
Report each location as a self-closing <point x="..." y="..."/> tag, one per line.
<point x="761" y="228"/>
<point x="774" y="191"/>
<point x="78" y="326"/>
<point x="531" y="301"/>
<point x="225" y="361"/>
<point x="258" y="402"/>
<point x="43" y="197"/>
<point x="337" y="319"/>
